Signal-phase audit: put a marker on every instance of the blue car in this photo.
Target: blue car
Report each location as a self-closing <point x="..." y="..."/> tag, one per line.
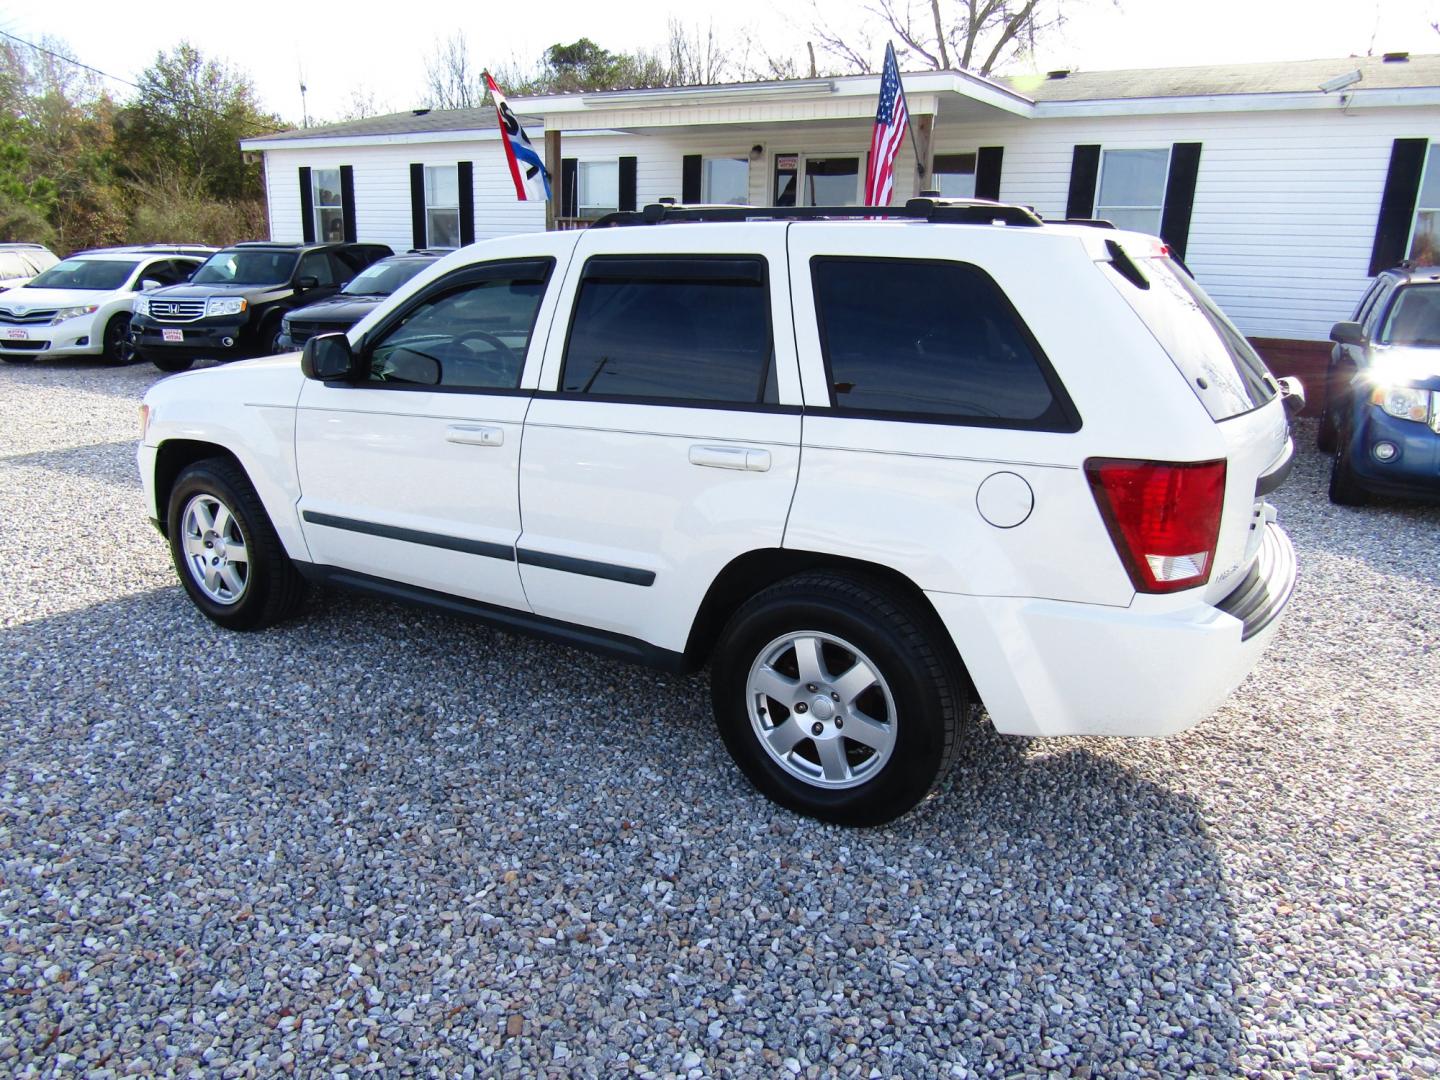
<point x="1382" y="400"/>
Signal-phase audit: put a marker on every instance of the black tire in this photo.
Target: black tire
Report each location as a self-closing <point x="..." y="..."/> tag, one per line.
<point x="172" y="363"/>
<point x="1326" y="435"/>
<point x="1345" y="486"/>
<point x="270" y="334"/>
<point x="118" y="349"/>
<point x="902" y="642"/>
<point x="272" y="589"/>
<point x="9" y="359"/>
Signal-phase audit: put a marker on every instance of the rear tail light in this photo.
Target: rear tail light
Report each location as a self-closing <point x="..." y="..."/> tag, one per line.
<point x="1164" y="518"/>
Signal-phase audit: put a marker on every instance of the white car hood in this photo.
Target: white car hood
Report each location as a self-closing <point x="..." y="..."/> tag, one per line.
<point x="30" y="299"/>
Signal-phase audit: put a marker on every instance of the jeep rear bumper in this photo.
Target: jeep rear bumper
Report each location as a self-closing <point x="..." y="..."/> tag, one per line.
<point x="1046" y="667"/>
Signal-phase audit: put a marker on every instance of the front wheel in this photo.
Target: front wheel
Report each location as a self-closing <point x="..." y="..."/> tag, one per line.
<point x="837" y="699"/>
<point x="225" y="549"/>
<point x="1345" y="487"/>
<point x="118" y="349"/>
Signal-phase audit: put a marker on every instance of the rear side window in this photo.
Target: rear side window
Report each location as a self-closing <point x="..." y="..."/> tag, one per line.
<point x="931" y="340"/>
<point x="1414" y="318"/>
<point x="681" y="328"/>
<point x="1223" y="370"/>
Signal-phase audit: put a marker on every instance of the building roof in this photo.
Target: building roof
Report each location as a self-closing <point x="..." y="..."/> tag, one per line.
<point x="1279" y="77"/>
<point x="1212" y="80"/>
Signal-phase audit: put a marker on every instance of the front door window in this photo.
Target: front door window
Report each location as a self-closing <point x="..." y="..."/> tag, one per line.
<point x="807" y="180"/>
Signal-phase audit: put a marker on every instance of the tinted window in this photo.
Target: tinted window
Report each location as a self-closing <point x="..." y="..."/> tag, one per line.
<point x="473" y="336"/>
<point x="683" y="328"/>
<point x="99" y="274"/>
<point x="321" y="267"/>
<point x="930" y="339"/>
<point x="246" y="268"/>
<point x="1414" y="318"/>
<point x="1219" y="364"/>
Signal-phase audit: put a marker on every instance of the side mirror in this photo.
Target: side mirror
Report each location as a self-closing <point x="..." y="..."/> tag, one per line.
<point x="307" y="282"/>
<point x="329" y="358"/>
<point x="1292" y="395"/>
<point x="149" y="285"/>
<point x="1347" y="333"/>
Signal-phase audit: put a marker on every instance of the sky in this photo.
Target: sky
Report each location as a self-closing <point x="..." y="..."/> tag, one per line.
<point x="371" y="50"/>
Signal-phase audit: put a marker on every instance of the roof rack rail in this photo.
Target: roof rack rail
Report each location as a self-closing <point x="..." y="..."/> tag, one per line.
<point x="1093" y="223"/>
<point x="945" y="211"/>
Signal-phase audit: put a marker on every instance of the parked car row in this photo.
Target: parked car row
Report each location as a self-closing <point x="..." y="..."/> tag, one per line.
<point x="173" y="304"/>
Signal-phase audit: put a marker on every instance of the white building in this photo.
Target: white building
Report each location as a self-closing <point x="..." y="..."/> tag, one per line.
<point x="1284" y="186"/>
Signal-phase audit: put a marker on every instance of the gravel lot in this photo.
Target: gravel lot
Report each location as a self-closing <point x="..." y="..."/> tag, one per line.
<point x="388" y="842"/>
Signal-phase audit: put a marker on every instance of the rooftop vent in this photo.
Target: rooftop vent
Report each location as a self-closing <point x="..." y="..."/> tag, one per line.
<point x="1058" y="73"/>
<point x="1397" y="57"/>
<point x="418" y="112"/>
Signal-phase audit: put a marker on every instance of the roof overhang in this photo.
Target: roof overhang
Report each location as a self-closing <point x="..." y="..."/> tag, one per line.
<point x="1305" y="100"/>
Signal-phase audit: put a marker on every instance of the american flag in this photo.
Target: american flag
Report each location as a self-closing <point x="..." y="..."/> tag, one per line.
<point x="892" y="119"/>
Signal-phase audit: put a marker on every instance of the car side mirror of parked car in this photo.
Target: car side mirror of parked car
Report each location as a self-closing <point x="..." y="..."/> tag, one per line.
<point x="149" y="285"/>
<point x="328" y="358"/>
<point x="307" y="282"/>
<point x="1292" y="395"/>
<point x="1347" y="333"/>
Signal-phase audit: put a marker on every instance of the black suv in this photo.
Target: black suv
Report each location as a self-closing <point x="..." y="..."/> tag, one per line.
<point x="233" y="305"/>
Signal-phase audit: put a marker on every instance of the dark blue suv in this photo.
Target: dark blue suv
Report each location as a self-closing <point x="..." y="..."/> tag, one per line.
<point x="1382" y="400"/>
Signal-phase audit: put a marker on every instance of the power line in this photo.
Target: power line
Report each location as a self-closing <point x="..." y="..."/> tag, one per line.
<point x="257" y="130"/>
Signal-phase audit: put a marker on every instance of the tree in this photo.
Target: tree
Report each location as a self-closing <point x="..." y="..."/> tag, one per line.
<point x="452" y="81"/>
<point x="975" y="35"/>
<point x="188" y="117"/>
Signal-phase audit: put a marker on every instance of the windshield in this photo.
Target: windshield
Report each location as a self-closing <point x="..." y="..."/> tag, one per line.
<point x="246" y="268"/>
<point x="100" y="274"/>
<point x="384" y="278"/>
<point x="1414" y="318"/>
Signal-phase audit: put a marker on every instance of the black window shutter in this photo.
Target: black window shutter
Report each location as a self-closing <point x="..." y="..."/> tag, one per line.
<point x="1084" y="171"/>
<point x="627" y="183"/>
<point x="347" y="201"/>
<point x="307" y="207"/>
<point x="1180" y="196"/>
<point x="570" y="197"/>
<point x="690" y="179"/>
<point x="987" y="172"/>
<point x="465" y="175"/>
<point x="1397" y="204"/>
<point x="417" y="205"/>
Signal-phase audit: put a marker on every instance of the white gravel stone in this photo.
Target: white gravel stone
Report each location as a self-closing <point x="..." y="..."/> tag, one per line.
<point x="382" y="842"/>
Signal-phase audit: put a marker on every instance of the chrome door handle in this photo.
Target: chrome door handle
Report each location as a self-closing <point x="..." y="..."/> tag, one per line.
<point x="475" y="434"/>
<point x="744" y="458"/>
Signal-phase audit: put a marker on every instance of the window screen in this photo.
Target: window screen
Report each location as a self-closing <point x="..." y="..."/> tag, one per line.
<point x="688" y="329"/>
<point x="954" y="175"/>
<point x="1132" y="189"/>
<point x="931" y="340"/>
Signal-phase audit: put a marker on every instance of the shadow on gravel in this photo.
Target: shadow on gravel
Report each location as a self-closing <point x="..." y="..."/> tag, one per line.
<point x="111" y="461"/>
<point x="384" y="775"/>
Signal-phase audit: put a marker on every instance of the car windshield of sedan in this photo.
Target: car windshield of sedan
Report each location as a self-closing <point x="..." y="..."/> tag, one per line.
<point x="96" y="274"/>
<point x="246" y="268"/>
<point x="383" y="278"/>
<point x="1414" y="318"/>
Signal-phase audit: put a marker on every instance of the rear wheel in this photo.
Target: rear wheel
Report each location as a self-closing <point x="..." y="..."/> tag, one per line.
<point x="225" y="549"/>
<point x="172" y="363"/>
<point x="118" y="349"/>
<point x="837" y="699"/>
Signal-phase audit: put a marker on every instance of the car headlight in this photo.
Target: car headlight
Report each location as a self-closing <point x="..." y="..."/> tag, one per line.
<point x="72" y="313"/>
<point x="141" y="306"/>
<point x="224" y="305"/>
<point x="1403" y="402"/>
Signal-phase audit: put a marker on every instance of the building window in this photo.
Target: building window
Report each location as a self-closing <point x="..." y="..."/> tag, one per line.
<point x="1132" y="189"/>
<point x="726" y="180"/>
<point x="954" y="175"/>
<point x="597" y="188"/>
<point x="1425" y="232"/>
<point x="442" y="206"/>
<point x="329" y="214"/>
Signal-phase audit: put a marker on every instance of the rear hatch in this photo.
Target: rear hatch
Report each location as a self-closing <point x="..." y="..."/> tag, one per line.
<point x="1231" y="382"/>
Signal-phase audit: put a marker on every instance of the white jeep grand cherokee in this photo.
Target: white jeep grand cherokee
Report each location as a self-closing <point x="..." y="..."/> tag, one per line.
<point x="869" y="470"/>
